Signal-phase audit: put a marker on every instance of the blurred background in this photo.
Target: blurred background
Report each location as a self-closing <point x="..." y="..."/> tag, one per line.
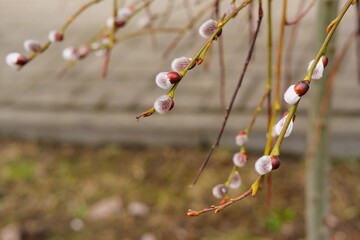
<point x="75" y="163"/>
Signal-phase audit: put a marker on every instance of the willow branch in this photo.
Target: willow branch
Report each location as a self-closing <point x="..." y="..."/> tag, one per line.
<point x="184" y="30"/>
<point x="324" y="104"/>
<point x="302" y="14"/>
<point x="229" y="108"/>
<point x="219" y="208"/>
<point x="69" y="21"/>
<point x="199" y="57"/>
<point x="292" y="109"/>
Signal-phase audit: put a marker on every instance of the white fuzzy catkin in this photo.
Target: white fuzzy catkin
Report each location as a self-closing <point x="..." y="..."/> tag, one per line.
<point x="241" y="138"/>
<point x="110" y="22"/>
<point x="124" y="13"/>
<point x="163" y="104"/>
<point x="279" y="126"/>
<point x="31" y="45"/>
<point x="219" y="190"/>
<point x="163" y="81"/>
<point x="235" y="181"/>
<point x="263" y="165"/>
<point x="53" y="36"/>
<point x="208" y="28"/>
<point x="12" y="58"/>
<point x="239" y="159"/>
<point x="319" y="69"/>
<point x="290" y="96"/>
<point x="69" y="54"/>
<point x="179" y="64"/>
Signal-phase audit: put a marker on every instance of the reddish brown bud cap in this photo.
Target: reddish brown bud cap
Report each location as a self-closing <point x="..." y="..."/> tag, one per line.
<point x="119" y="23"/>
<point x="21" y="61"/>
<point x="174" y="77"/>
<point x="275" y="162"/>
<point x="301" y="88"/>
<point x="325" y="60"/>
<point x="59" y="37"/>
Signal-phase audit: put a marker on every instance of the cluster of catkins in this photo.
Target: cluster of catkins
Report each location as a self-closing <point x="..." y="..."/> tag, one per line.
<point x="267" y="163"/>
<point x="166" y="80"/>
<point x="17" y="60"/>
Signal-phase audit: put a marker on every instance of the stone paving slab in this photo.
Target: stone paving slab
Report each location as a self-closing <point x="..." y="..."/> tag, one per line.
<point x="83" y="108"/>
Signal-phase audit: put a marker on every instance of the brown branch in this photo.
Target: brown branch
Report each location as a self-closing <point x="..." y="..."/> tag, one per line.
<point x="70" y="20"/>
<point x="257" y="111"/>
<point x="106" y="63"/>
<point x="301" y="15"/>
<point x="251" y="22"/>
<point x="217" y="8"/>
<point x="219" y="208"/>
<point x="112" y="40"/>
<point x="229" y="108"/>
<point x="77" y="13"/>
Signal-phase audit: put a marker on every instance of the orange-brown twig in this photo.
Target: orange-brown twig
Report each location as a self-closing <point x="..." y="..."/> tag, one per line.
<point x="219" y="208"/>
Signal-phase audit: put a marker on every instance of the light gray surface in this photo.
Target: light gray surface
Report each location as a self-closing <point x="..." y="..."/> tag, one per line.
<point x="83" y="108"/>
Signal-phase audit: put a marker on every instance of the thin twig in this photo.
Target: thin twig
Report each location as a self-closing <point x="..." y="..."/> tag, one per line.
<point x="251" y="22"/>
<point x="106" y="63"/>
<point x="302" y="14"/>
<point x="219" y="208"/>
<point x="184" y="30"/>
<point x="77" y="13"/>
<point x="257" y="111"/>
<point x="276" y="106"/>
<point x="70" y="20"/>
<point x="229" y="108"/>
<point x="221" y="60"/>
<point x="290" y="49"/>
<point x="199" y="57"/>
<point x="292" y="109"/>
<point x="269" y="62"/>
<point x="269" y="107"/>
<point x="325" y="101"/>
<point x="112" y="40"/>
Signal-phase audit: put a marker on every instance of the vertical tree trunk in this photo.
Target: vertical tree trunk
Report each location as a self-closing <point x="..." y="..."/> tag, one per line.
<point x="318" y="161"/>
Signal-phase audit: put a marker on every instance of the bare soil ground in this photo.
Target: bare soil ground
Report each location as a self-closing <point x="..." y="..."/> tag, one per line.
<point x="53" y="191"/>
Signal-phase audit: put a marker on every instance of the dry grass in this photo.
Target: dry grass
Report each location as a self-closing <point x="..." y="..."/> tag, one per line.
<point x="43" y="187"/>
